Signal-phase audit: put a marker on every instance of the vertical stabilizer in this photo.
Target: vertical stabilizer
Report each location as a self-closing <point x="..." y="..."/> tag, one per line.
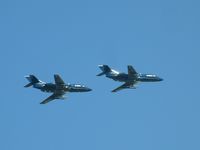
<point x="32" y="79"/>
<point x="105" y="69"/>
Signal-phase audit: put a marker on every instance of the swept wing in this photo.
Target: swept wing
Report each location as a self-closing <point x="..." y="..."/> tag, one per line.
<point x="125" y="86"/>
<point x="56" y="95"/>
<point x="131" y="71"/>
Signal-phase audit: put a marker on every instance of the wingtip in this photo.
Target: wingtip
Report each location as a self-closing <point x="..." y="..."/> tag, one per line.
<point x="56" y="75"/>
<point x="130" y="66"/>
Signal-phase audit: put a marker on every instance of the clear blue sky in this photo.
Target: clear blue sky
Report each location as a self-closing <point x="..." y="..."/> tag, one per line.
<point x="44" y="37"/>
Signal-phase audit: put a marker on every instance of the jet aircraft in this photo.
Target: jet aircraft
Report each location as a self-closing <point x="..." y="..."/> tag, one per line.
<point x="130" y="79"/>
<point x="59" y="88"/>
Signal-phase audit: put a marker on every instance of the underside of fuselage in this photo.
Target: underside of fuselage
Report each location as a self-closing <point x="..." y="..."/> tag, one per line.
<point x="78" y="88"/>
<point x="148" y="80"/>
<point x="49" y="87"/>
<point x="122" y="77"/>
<point x="139" y="78"/>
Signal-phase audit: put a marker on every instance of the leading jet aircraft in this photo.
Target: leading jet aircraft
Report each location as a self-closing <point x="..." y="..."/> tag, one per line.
<point x="58" y="89"/>
<point x="130" y="79"/>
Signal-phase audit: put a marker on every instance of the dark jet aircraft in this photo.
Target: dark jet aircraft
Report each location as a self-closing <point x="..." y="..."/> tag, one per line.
<point x="130" y="79"/>
<point x="58" y="89"/>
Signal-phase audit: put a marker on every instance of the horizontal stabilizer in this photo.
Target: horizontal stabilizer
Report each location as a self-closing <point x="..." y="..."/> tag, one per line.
<point x="100" y="74"/>
<point x="28" y="85"/>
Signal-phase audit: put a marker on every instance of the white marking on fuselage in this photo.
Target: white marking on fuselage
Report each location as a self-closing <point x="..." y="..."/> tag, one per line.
<point x="151" y="75"/>
<point x="114" y="71"/>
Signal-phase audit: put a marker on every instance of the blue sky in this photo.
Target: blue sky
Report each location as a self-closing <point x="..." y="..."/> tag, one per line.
<point x="71" y="38"/>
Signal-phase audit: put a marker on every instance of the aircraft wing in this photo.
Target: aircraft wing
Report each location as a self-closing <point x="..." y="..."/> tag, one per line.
<point x="131" y="70"/>
<point x="124" y="86"/>
<point x="58" y="80"/>
<point x="52" y="97"/>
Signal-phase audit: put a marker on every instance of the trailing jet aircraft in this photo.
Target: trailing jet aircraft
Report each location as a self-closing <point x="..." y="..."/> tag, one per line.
<point x="58" y="89"/>
<point x="130" y="79"/>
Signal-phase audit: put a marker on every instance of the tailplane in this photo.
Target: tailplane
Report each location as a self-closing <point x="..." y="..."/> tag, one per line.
<point x="105" y="69"/>
<point x="32" y="79"/>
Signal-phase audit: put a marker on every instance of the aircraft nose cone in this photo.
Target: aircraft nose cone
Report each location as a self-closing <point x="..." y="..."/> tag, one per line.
<point x="88" y="89"/>
<point x="161" y="79"/>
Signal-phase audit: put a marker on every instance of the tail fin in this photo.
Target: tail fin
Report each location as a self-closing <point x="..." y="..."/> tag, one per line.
<point x="105" y="69"/>
<point x="32" y="79"/>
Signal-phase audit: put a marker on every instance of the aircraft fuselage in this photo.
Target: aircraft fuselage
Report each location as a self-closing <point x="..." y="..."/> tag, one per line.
<point x="123" y="77"/>
<point x="51" y="88"/>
